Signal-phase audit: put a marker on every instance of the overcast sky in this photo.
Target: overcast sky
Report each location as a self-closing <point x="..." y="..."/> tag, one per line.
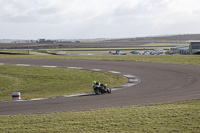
<point x="81" y="19"/>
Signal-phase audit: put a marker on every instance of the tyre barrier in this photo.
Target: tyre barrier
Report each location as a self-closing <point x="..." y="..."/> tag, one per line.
<point x="16" y="96"/>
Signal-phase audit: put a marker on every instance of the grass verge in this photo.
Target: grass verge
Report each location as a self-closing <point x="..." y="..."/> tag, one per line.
<point x="166" y="44"/>
<point x="15" y="52"/>
<point x="39" y="82"/>
<point x="175" y="59"/>
<point x="169" y="117"/>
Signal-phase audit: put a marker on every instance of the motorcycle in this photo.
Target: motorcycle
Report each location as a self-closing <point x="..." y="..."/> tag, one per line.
<point x="100" y="89"/>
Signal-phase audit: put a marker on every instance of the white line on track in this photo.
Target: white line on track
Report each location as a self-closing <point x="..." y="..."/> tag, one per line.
<point x="114" y="72"/>
<point x="129" y="76"/>
<point x="133" y="80"/>
<point x="128" y="85"/>
<point x="96" y="69"/>
<point x="75" y="67"/>
<point x="81" y="94"/>
<point x="49" y="66"/>
<point x="37" y="99"/>
<point x="23" y="65"/>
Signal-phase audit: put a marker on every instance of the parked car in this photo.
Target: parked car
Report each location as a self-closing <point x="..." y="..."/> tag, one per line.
<point x="117" y="52"/>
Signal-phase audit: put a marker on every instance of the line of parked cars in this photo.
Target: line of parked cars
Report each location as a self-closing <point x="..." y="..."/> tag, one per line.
<point x="150" y="52"/>
<point x="137" y="52"/>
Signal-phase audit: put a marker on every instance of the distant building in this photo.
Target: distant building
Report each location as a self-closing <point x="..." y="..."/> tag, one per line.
<point x="41" y="41"/>
<point x="45" y="41"/>
<point x="61" y="41"/>
<point x="180" y="50"/>
<point x="194" y="48"/>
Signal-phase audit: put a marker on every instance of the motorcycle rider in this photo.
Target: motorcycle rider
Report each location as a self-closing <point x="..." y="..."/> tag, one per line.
<point x="94" y="83"/>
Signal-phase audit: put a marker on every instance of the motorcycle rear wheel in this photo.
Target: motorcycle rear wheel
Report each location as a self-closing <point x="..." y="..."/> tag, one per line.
<point x="108" y="90"/>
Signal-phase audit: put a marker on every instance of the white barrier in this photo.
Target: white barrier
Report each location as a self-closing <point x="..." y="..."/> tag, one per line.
<point x="16" y="96"/>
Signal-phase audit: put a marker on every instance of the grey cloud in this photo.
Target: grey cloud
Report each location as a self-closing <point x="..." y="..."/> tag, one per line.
<point x="17" y="19"/>
<point x="47" y="11"/>
<point x="95" y="18"/>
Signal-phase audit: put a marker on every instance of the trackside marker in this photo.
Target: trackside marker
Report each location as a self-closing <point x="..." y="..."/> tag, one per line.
<point x="16" y="96"/>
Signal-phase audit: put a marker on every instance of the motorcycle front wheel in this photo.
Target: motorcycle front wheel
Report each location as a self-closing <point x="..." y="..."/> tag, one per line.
<point x="97" y="91"/>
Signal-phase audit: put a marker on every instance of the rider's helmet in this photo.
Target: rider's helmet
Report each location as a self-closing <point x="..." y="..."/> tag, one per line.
<point x="93" y="82"/>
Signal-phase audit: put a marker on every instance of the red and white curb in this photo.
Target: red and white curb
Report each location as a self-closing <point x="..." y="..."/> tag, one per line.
<point x="132" y="80"/>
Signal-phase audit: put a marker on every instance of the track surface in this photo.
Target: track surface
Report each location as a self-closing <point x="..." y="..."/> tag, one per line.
<point x="159" y="83"/>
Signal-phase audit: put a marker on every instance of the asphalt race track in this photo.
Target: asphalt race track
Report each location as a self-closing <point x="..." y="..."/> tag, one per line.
<point x="159" y="83"/>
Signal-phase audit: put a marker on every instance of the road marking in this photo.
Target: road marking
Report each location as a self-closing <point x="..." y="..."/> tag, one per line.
<point x="96" y="69"/>
<point x="49" y="66"/>
<point x="81" y="94"/>
<point x="129" y="76"/>
<point x="114" y="72"/>
<point x="75" y="67"/>
<point x="133" y="80"/>
<point x="128" y="85"/>
<point x="37" y="99"/>
<point x="23" y="65"/>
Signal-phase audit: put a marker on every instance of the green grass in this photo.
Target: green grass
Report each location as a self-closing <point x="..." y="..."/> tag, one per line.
<point x="166" y="44"/>
<point x="175" y="59"/>
<point x="169" y="117"/>
<point x="39" y="82"/>
<point x="15" y="51"/>
<point x="101" y="49"/>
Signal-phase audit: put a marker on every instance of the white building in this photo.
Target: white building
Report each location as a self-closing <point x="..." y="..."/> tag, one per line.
<point x="194" y="48"/>
<point x="180" y="50"/>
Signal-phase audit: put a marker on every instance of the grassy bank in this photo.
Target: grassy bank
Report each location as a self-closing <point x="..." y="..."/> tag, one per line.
<point x="168" y="117"/>
<point x="38" y="82"/>
<point x="14" y="51"/>
<point x="177" y="59"/>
